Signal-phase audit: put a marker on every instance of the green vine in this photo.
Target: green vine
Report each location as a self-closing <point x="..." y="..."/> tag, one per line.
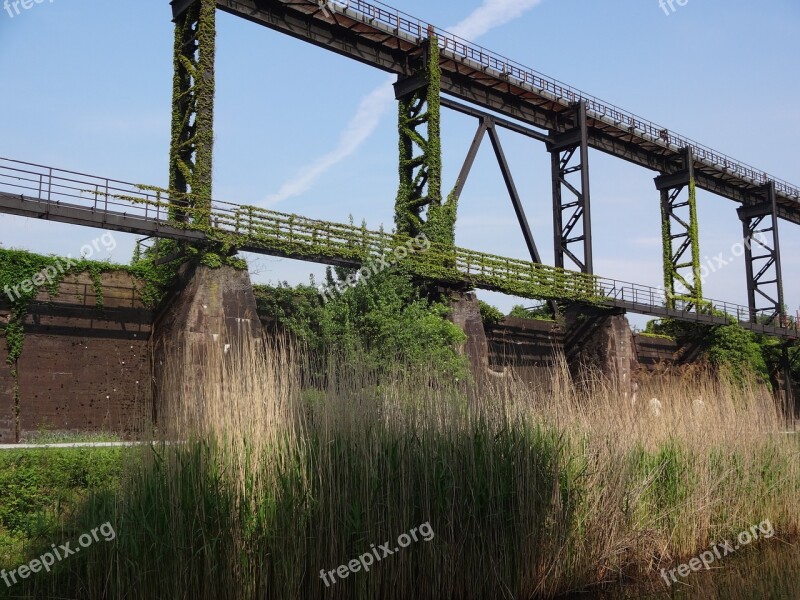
<point x="672" y="273"/>
<point x="24" y="274"/>
<point x="192" y="140"/>
<point x="420" y="187"/>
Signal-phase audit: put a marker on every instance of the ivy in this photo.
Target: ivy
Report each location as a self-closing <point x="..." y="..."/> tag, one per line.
<point x="192" y="140"/>
<point x="47" y="272"/>
<point x="420" y="187"/>
<point x="671" y="271"/>
<point x="731" y="347"/>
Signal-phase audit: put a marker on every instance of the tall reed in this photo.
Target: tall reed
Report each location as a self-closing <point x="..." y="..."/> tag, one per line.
<point x="281" y="465"/>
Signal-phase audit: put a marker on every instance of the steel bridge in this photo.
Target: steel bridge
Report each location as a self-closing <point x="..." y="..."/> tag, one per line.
<point x="46" y="193"/>
<point x="436" y="70"/>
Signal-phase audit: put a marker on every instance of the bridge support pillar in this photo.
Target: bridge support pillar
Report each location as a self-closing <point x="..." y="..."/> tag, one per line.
<point x="211" y="312"/>
<point x="572" y="220"/>
<point x="763" y="257"/>
<point x="681" y="240"/>
<point x="601" y="340"/>
<point x="192" y="142"/>
<point x="467" y="315"/>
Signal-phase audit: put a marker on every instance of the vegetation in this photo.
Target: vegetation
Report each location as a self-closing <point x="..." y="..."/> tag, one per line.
<point x="420" y="160"/>
<point x="731" y="348"/>
<point x="529" y="490"/>
<point x="379" y="321"/>
<point x="40" y="489"/>
<point x="47" y="272"/>
<point x="489" y="314"/>
<point x="543" y="312"/>
<point x="493" y="316"/>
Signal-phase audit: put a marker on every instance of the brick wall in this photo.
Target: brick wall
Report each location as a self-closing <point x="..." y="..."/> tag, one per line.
<point x="82" y="367"/>
<point x="530" y="344"/>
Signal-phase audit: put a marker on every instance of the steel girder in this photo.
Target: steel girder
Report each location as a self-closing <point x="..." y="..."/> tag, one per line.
<point x="390" y="52"/>
<point x="487" y="124"/>
<point x="191" y="148"/>
<point x="419" y="127"/>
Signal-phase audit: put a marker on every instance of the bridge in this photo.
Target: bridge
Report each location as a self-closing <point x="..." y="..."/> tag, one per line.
<point x="46" y="193"/>
<point x="436" y="70"/>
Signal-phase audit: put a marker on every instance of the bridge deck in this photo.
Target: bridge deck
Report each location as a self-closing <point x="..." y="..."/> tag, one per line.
<point x="46" y="193"/>
<point x="385" y="38"/>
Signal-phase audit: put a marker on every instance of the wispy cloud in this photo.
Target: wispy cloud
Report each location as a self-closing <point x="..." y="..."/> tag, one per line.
<point x="490" y="15"/>
<point x="359" y="128"/>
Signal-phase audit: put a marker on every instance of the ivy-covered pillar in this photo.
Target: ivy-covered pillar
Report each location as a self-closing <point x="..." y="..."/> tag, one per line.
<point x="681" y="240"/>
<point x="419" y="208"/>
<point x="191" y="148"/>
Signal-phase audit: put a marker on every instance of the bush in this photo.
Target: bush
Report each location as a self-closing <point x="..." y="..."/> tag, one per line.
<point x="489" y="314"/>
<point x="381" y="320"/>
<point x="538" y="313"/>
<point x="39" y="487"/>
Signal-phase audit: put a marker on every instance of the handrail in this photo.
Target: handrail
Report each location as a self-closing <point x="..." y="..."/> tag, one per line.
<point x="396" y="22"/>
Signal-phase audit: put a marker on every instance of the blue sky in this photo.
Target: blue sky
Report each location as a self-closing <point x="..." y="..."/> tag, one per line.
<point x="86" y="86"/>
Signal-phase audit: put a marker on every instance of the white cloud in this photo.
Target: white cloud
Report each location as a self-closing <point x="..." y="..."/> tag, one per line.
<point x="490" y="15"/>
<point x="357" y="131"/>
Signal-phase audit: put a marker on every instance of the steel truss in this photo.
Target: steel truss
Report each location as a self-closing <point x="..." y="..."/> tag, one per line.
<point x="191" y="148"/>
<point x="572" y="221"/>
<point x="763" y="257"/>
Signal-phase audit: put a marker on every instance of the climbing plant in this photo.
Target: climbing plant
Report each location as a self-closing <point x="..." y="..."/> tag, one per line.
<point x="731" y="347"/>
<point x="419" y="208"/>
<point x="192" y="139"/>
<point x="673" y="275"/>
<point x="24" y="274"/>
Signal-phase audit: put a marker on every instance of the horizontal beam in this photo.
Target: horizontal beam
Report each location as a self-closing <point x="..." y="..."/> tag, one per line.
<point x="298" y="248"/>
<point x="670" y="182"/>
<point x="499" y="121"/>
<point x="25" y="206"/>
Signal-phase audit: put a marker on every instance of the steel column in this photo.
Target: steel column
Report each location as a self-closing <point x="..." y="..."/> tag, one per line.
<point x="572" y="220"/>
<point x="191" y="149"/>
<point x="763" y="257"/>
<point x="682" y="277"/>
<point x="419" y="208"/>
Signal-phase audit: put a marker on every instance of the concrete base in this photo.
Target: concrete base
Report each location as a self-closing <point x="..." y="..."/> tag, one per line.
<point x="601" y="340"/>
<point x="467" y="315"/>
<point x="211" y="310"/>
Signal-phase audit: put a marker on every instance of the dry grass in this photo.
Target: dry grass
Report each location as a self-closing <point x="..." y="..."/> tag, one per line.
<point x="291" y="468"/>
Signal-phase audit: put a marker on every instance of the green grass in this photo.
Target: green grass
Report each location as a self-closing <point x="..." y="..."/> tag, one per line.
<point x="69" y="437"/>
<point x="40" y="488"/>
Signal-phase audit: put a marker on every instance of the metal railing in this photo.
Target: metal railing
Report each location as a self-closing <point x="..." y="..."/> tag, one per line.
<point x="399" y="23"/>
<point x="259" y="229"/>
